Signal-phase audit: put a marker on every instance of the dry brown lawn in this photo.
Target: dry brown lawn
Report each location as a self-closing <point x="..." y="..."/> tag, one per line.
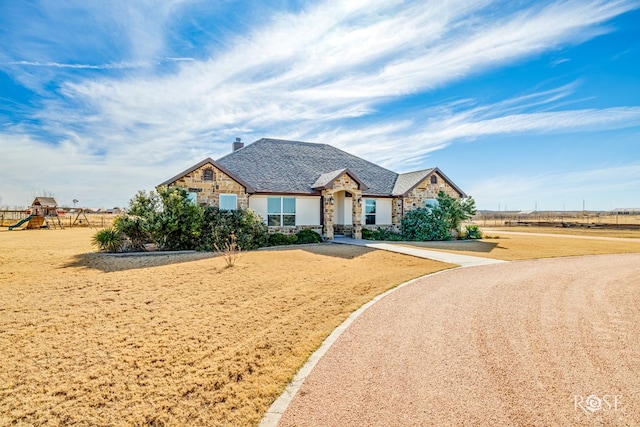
<point x="92" y="340"/>
<point x="593" y="232"/>
<point x="515" y="247"/>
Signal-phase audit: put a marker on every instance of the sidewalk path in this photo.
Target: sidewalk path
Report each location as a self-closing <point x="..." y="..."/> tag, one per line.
<point x="462" y="260"/>
<point x="536" y="342"/>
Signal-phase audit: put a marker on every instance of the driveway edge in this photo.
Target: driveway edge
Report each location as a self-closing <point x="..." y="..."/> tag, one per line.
<point x="277" y="408"/>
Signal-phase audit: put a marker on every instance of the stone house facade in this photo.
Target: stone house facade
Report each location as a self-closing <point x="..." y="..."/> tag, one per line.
<point x="297" y="185"/>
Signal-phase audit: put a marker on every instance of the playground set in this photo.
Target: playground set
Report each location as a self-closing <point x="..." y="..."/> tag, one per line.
<point x="44" y="213"/>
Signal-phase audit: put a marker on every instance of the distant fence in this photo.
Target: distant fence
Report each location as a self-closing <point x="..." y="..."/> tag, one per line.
<point x="558" y="219"/>
<point x="69" y="219"/>
<point x="10" y="217"/>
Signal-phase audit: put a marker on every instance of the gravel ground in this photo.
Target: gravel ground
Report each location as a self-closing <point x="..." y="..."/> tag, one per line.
<point x="528" y="343"/>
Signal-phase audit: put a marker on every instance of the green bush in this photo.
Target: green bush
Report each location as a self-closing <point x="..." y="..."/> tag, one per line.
<point x="167" y="218"/>
<point x="108" y="240"/>
<point x="381" y="234"/>
<point x="177" y="226"/>
<point x="279" y="239"/>
<point x="437" y="222"/>
<point x="425" y="224"/>
<point x="472" y="231"/>
<point x="308" y="236"/>
<point x="218" y="225"/>
<point x="135" y="230"/>
<point x="366" y="234"/>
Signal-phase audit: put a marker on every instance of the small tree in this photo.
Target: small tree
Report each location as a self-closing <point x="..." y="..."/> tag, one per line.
<point x="144" y="205"/>
<point x="455" y="211"/>
<point x="136" y="222"/>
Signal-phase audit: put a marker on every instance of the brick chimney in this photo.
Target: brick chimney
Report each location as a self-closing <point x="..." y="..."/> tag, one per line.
<point x="237" y="144"/>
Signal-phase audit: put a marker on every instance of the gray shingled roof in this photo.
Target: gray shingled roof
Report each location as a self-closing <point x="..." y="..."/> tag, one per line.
<point x="326" y="178"/>
<point x="280" y="166"/>
<point x="406" y="181"/>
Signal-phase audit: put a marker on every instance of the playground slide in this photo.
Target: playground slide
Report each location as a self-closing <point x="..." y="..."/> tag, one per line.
<point x="19" y="223"/>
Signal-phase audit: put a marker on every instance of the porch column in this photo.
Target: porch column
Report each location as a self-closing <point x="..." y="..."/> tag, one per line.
<point x="356" y="214"/>
<point x="327" y="197"/>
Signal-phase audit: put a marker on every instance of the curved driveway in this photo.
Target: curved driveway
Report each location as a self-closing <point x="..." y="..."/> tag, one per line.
<point x="538" y="342"/>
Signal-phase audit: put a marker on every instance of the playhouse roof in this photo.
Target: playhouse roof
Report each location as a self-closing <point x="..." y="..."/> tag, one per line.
<point x="48" y="202"/>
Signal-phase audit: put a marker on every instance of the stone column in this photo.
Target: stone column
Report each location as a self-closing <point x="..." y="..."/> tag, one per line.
<point x="328" y="213"/>
<point x="356" y="214"/>
<point x="396" y="214"/>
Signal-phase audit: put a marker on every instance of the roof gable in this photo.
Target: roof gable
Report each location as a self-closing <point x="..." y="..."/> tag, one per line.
<point x="215" y="164"/>
<point x="410" y="180"/>
<point x="326" y="180"/>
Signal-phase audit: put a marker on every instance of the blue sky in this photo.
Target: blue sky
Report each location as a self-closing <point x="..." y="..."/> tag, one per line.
<point x="519" y="103"/>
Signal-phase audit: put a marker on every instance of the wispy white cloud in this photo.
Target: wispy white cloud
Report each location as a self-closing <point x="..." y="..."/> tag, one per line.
<point x="333" y="61"/>
<point x="111" y="66"/>
<point x="321" y="74"/>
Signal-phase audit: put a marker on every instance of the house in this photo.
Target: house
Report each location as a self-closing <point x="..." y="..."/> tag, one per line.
<point x="297" y="185"/>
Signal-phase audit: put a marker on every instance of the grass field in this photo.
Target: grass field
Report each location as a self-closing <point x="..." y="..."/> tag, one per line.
<point x="94" y="340"/>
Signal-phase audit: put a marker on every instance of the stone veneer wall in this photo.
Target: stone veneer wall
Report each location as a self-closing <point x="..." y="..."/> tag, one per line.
<point x="344" y="182"/>
<point x="345" y="230"/>
<point x="425" y="190"/>
<point x="211" y="190"/>
<point x="294" y="230"/>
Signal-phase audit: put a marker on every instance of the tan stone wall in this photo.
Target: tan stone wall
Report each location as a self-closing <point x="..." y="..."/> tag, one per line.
<point x="293" y="230"/>
<point x="425" y="190"/>
<point x="211" y="190"/>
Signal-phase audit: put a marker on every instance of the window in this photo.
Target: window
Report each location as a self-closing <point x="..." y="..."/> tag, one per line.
<point x="434" y="179"/>
<point x="207" y="175"/>
<point x="228" y="202"/>
<point x="193" y="198"/>
<point x="281" y="211"/>
<point x="431" y="203"/>
<point x="370" y="211"/>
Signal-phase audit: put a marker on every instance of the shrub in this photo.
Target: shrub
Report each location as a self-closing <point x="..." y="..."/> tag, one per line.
<point x="218" y="225"/>
<point x="231" y="252"/>
<point x="424" y="224"/>
<point x="135" y="230"/>
<point x="177" y="226"/>
<point x="108" y="240"/>
<point x="472" y="231"/>
<point x="279" y="239"/>
<point x="308" y="236"/>
<point x="381" y="234"/>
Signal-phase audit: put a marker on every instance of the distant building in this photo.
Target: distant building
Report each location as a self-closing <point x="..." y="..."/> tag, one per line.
<point x="625" y="211"/>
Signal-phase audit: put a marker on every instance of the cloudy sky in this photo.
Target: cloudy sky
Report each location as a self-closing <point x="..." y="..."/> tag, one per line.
<point x="520" y="103"/>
